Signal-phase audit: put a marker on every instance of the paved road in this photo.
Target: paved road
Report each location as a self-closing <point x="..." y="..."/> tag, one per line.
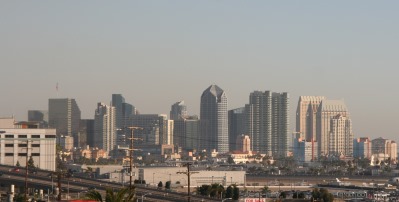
<point x="41" y="180"/>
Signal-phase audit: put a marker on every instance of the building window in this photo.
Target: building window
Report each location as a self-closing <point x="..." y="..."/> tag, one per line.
<point x="21" y="154"/>
<point x="50" y="136"/>
<point x="35" y="145"/>
<point x="35" y="154"/>
<point x="35" y="136"/>
<point x="22" y="136"/>
<point x="22" y="145"/>
<point x="9" y="145"/>
<point x="9" y="136"/>
<point x="9" y="154"/>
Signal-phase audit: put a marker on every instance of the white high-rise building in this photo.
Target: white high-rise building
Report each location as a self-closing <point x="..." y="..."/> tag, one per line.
<point x="341" y="136"/>
<point x="327" y="123"/>
<point x="214" y="120"/>
<point x="105" y="127"/>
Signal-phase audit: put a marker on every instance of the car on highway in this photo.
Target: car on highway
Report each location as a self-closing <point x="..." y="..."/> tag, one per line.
<point x="15" y="170"/>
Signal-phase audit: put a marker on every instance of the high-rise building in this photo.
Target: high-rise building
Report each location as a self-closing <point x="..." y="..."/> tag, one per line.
<point x="117" y="102"/>
<point x="326" y="125"/>
<point x="236" y="126"/>
<point x="178" y="111"/>
<point x="156" y="128"/>
<point x="187" y="133"/>
<point x="123" y="111"/>
<point x="214" y="119"/>
<point x="166" y="132"/>
<point x="64" y="116"/>
<point x="86" y="133"/>
<point x="267" y="122"/>
<point x="362" y="148"/>
<point x="280" y="124"/>
<point x="40" y="116"/>
<point x="104" y="127"/>
<point x="341" y="136"/>
<point x="306" y="116"/>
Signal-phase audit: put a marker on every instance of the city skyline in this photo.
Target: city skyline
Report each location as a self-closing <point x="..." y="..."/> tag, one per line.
<point x="159" y="53"/>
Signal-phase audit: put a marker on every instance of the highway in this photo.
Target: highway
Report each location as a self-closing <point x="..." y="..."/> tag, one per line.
<point x="42" y="180"/>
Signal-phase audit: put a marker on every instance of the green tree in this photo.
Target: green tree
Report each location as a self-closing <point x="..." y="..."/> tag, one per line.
<point x="18" y="164"/>
<point x="167" y="185"/>
<point x="230" y="160"/>
<point x="236" y="192"/>
<point x="322" y="194"/>
<point x="217" y="190"/>
<point x="229" y="192"/>
<point x="125" y="194"/>
<point x="204" y="190"/>
<point x="265" y="189"/>
<point x="160" y="185"/>
<point x="31" y="163"/>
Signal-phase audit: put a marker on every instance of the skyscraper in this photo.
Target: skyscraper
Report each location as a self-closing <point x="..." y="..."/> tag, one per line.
<point x="330" y="114"/>
<point x="117" y="102"/>
<point x="178" y="111"/>
<point x="267" y="122"/>
<point x="187" y="133"/>
<point x="236" y="126"/>
<point x="306" y="116"/>
<point x="104" y="127"/>
<point x="280" y="124"/>
<point x="64" y="116"/>
<point x="86" y="133"/>
<point x="259" y="121"/>
<point x="123" y="111"/>
<point x="341" y="136"/>
<point x="214" y="119"/>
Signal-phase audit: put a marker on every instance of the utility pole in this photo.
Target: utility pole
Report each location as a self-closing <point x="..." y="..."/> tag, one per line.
<point x="26" y="171"/>
<point x="188" y="173"/>
<point x="131" y="153"/>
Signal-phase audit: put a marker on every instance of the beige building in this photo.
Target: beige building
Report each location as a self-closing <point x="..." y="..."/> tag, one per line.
<point x="341" y="136"/>
<point x="99" y="153"/>
<point x="243" y="143"/>
<point x="325" y="128"/>
<point x="18" y="144"/>
<point x="385" y="148"/>
<point x="306" y="114"/>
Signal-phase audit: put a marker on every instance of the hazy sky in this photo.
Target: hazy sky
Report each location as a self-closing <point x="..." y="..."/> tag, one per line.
<point x="158" y="52"/>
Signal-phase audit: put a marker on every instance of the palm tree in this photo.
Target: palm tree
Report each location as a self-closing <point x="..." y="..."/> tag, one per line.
<point x="124" y="194"/>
